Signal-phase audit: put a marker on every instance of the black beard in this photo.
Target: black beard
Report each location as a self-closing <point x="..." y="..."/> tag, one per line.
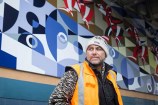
<point x="94" y="66"/>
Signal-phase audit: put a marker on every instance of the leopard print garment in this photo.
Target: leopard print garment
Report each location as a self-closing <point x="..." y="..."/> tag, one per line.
<point x="63" y="92"/>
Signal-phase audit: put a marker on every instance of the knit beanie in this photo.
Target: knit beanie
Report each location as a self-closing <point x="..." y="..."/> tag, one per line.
<point x="98" y="40"/>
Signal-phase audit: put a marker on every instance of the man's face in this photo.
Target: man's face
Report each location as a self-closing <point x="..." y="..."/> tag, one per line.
<point x="95" y="54"/>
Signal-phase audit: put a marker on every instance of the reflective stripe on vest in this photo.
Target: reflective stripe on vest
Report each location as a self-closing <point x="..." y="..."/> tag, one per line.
<point x="81" y="86"/>
<point x="112" y="74"/>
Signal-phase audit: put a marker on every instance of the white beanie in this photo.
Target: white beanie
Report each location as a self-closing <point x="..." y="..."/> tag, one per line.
<point x="99" y="41"/>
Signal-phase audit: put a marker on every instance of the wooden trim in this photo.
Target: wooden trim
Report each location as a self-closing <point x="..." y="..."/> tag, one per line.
<point x="28" y="76"/>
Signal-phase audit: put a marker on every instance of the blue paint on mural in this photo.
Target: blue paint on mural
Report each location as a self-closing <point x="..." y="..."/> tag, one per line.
<point x="69" y="22"/>
<point x="7" y="60"/>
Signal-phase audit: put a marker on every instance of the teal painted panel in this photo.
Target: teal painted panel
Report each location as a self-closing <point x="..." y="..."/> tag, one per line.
<point x="4" y="101"/>
<point x="10" y="88"/>
<point x="15" y="92"/>
<point x="156" y="102"/>
<point x="138" y="101"/>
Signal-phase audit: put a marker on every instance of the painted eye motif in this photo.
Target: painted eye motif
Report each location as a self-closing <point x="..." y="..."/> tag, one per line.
<point x="32" y="42"/>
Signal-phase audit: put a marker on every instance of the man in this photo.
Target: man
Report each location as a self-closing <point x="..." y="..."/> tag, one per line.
<point x="89" y="83"/>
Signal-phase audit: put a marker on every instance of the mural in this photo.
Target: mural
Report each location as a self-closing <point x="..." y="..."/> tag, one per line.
<point x="44" y="36"/>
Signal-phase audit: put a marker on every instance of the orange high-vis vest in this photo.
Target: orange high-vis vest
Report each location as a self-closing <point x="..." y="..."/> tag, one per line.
<point x="86" y="91"/>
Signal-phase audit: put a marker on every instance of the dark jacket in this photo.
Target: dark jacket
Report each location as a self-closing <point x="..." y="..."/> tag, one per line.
<point x="107" y="94"/>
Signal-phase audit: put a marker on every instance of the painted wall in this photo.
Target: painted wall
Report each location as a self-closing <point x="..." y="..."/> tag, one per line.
<point x="44" y="36"/>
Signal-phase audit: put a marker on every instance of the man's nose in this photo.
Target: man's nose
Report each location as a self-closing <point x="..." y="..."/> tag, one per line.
<point x="94" y="51"/>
